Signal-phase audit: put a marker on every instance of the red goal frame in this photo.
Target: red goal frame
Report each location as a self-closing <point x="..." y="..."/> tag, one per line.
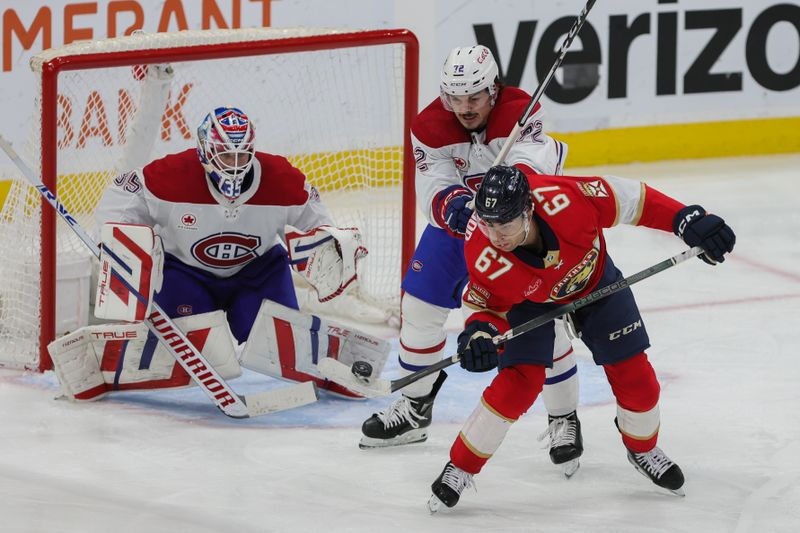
<point x="51" y="69"/>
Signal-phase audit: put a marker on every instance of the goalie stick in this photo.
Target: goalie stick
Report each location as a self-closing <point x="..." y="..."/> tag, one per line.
<point x="343" y="374"/>
<point x="176" y="342"/>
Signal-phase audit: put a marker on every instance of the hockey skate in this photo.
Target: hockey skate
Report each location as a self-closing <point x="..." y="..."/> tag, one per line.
<point x="448" y="487"/>
<point x="405" y="421"/>
<point x="566" y="442"/>
<point x="658" y="468"/>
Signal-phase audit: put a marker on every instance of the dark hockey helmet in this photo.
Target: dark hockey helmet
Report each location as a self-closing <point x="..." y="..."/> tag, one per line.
<point x="504" y="195"/>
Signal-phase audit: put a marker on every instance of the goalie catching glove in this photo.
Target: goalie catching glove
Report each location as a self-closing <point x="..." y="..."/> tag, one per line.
<point x="131" y="264"/>
<point x="326" y="257"/>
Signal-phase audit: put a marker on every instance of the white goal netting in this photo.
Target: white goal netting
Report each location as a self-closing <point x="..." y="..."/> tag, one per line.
<point x="337" y="107"/>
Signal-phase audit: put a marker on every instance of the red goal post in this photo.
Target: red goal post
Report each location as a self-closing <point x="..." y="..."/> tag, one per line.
<point x="337" y="103"/>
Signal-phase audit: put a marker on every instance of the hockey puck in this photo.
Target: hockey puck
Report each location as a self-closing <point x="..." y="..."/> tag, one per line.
<point x="361" y="369"/>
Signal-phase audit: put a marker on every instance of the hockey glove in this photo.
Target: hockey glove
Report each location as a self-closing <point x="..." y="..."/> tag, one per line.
<point x="451" y="211"/>
<point x="478" y="352"/>
<point x="698" y="228"/>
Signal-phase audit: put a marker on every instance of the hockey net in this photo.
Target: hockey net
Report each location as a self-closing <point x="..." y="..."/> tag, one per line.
<point x="337" y="103"/>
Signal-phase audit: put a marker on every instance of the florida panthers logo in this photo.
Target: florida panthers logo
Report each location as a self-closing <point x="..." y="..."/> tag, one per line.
<point x="577" y="278"/>
<point x="226" y="250"/>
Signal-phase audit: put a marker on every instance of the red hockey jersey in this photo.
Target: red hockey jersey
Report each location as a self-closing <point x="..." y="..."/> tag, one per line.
<point x="571" y="213"/>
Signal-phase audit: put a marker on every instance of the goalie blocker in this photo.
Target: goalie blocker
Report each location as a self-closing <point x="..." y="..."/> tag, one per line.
<point x="131" y="264"/>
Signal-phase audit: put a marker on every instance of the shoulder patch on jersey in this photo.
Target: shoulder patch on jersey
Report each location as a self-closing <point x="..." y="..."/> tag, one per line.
<point x="436" y="127"/>
<point x="594" y="188"/>
<point x="281" y="183"/>
<point x="477" y="296"/>
<point x="178" y="178"/>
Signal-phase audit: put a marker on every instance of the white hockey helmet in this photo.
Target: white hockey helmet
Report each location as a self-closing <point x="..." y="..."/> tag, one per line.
<point x="469" y="70"/>
<point x="225" y="146"/>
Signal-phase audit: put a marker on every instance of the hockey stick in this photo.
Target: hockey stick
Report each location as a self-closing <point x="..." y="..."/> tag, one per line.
<point x="176" y="342"/>
<point x="537" y="94"/>
<point x="343" y="375"/>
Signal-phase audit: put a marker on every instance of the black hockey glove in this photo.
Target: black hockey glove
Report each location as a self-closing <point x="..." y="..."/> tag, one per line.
<point x="478" y="352"/>
<point x="453" y="213"/>
<point x="709" y="232"/>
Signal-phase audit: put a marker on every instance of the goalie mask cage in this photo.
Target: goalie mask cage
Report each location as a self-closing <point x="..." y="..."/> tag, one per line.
<point x="337" y="103"/>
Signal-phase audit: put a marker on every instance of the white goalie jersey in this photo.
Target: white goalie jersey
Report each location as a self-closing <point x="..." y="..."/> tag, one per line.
<point x="446" y="154"/>
<point x="202" y="229"/>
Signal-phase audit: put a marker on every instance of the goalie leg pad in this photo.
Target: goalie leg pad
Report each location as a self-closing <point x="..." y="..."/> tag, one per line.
<point x="286" y="343"/>
<point x="96" y="360"/>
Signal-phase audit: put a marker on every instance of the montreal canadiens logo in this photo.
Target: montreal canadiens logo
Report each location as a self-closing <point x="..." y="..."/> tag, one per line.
<point x="226" y="250"/>
<point x="473" y="182"/>
<point x="460" y="163"/>
<point x="416" y="265"/>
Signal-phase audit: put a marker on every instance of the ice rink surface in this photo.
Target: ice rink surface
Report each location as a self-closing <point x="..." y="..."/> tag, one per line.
<point x="724" y="348"/>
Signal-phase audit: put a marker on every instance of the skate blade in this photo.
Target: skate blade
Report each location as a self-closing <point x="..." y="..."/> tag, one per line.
<point x="570" y="467"/>
<point x="677" y="492"/>
<point x="409" y="437"/>
<point x="435" y="504"/>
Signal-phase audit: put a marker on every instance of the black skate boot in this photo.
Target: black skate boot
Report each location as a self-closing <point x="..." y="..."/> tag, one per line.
<point x="405" y="421"/>
<point x="566" y="441"/>
<point x="448" y="487"/>
<point x="659" y="468"/>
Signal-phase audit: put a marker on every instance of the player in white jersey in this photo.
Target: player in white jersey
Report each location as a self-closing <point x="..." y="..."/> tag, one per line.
<point x="221" y="210"/>
<point x="455" y="141"/>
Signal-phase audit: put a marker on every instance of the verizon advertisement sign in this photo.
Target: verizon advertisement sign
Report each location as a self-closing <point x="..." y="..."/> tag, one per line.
<point x="634" y="63"/>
